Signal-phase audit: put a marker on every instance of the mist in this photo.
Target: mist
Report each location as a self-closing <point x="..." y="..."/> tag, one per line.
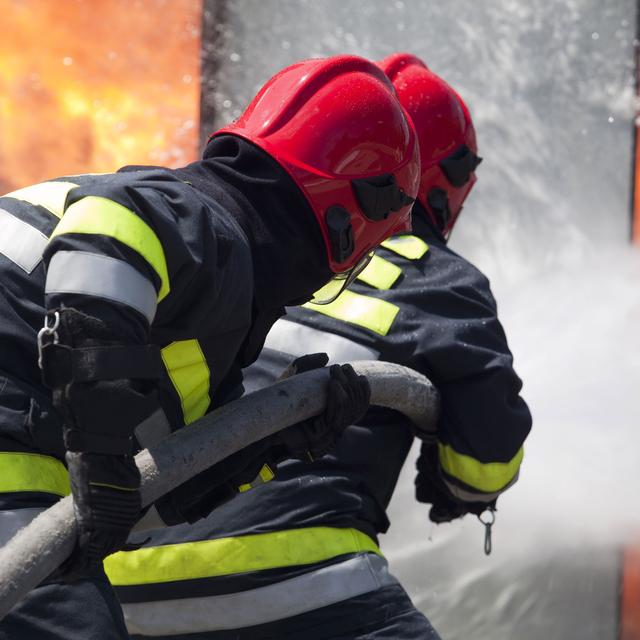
<point x="551" y="89"/>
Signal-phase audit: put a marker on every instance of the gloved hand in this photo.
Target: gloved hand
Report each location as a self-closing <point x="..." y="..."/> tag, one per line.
<point x="99" y="418"/>
<point x="347" y="401"/>
<point x="106" y="502"/>
<point x="348" y="396"/>
<point x="431" y="489"/>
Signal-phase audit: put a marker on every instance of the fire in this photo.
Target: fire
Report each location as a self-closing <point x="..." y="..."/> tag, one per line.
<point x="91" y="85"/>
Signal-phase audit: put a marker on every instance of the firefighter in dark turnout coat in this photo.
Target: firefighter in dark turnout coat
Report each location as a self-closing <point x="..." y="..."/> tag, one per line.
<point x="306" y="562"/>
<point x="157" y="286"/>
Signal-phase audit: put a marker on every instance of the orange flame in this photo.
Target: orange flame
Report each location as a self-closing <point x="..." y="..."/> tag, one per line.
<point x="91" y="85"/>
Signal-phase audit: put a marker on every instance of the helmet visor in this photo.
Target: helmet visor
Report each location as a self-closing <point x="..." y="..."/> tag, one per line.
<point x="340" y="282"/>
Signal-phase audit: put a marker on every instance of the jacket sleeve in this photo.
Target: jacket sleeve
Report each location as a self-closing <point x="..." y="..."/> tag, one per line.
<point x="484" y="420"/>
<point x="126" y="244"/>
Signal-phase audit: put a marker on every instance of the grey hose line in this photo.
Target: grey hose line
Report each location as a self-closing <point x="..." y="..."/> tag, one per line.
<point x="38" y="549"/>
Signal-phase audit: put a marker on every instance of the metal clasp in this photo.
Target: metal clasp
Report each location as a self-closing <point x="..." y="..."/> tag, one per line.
<point x="48" y="334"/>
<point x="488" y="522"/>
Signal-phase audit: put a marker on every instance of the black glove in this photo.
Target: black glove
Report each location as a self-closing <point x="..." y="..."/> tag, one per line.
<point x="431" y="489"/>
<point x="347" y="401"/>
<point x="106" y="501"/>
<point x="99" y="418"/>
<point x="348" y="396"/>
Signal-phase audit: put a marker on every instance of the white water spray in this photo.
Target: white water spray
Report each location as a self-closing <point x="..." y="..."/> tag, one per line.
<point x="550" y="86"/>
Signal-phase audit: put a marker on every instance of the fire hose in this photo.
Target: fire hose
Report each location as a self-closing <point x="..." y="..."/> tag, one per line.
<point x="38" y="549"/>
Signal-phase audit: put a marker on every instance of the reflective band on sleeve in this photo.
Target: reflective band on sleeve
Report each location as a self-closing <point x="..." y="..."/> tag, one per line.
<point x="365" y="311"/>
<point x="50" y="195"/>
<point x="380" y="273"/>
<point x="101" y="276"/>
<point x="410" y="247"/>
<point x="487" y="477"/>
<point x="264" y="475"/>
<point x="299" y="339"/>
<point x="189" y="373"/>
<point x="226" y="556"/>
<point x="98" y="215"/>
<point x="475" y="496"/>
<point x="32" y="472"/>
<point x="277" y="601"/>
<point x="20" y="242"/>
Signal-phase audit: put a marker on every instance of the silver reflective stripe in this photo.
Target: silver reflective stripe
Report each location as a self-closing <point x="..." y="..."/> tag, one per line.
<point x="310" y="591"/>
<point x="153" y="429"/>
<point x="20" y="242"/>
<point x="471" y="496"/>
<point x="299" y="339"/>
<point x="101" y="276"/>
<point x="12" y="521"/>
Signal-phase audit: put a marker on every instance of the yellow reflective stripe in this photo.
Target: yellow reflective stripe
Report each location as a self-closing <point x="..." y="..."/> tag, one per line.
<point x="487" y="477"/>
<point x="227" y="556"/>
<point x="95" y="214"/>
<point x="264" y="475"/>
<point x="50" y="195"/>
<point x="410" y="247"/>
<point x="189" y="373"/>
<point x="365" y="311"/>
<point x="380" y="273"/>
<point x="32" y="472"/>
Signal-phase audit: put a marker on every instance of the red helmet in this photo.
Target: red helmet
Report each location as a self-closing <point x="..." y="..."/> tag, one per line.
<point x="336" y="126"/>
<point x="448" y="148"/>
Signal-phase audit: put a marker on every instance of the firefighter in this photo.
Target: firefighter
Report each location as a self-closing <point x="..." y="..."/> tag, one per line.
<point x="158" y="286"/>
<point x="298" y="557"/>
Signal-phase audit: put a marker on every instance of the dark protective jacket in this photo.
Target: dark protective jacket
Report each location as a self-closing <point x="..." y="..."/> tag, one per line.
<point x="171" y="257"/>
<point x="418" y="304"/>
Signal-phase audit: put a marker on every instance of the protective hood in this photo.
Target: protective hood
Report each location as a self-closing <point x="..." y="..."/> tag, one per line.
<point x="289" y="256"/>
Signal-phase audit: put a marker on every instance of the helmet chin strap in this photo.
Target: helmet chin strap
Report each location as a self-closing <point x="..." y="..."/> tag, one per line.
<point x="338" y="221"/>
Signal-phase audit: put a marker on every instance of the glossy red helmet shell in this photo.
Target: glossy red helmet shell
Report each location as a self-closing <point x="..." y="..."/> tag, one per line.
<point x="332" y="123"/>
<point x="445" y="130"/>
